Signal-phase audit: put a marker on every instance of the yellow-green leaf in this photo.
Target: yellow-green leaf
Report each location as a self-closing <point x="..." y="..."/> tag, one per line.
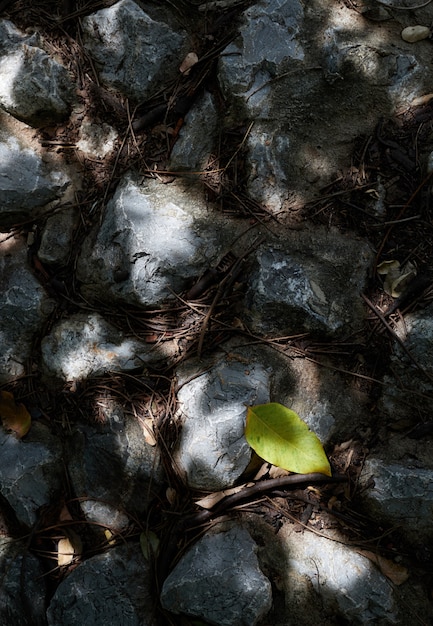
<point x="14" y="417"/>
<point x="280" y="437"/>
<point x="149" y="543"/>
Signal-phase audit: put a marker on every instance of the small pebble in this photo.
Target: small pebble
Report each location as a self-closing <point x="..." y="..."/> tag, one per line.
<point x="415" y="33"/>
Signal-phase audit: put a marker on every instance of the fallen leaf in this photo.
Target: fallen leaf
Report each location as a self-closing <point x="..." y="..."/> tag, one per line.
<point x="109" y="536"/>
<point x="14" y="417"/>
<point x="149" y="543"/>
<point x="186" y="65"/>
<point x="396" y="277"/>
<point x="68" y="548"/>
<point x="149" y="435"/>
<point x="397" y="574"/>
<point x="209" y="501"/>
<point x="171" y="495"/>
<point x="279" y="436"/>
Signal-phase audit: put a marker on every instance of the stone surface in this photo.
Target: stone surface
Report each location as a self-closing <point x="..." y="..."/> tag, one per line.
<point x="30" y="471"/>
<point x="323" y="580"/>
<point x="86" y="345"/>
<point x="193" y="147"/>
<point x="34" y="87"/>
<point x="109" y="588"/>
<point x="310" y="284"/>
<point x="57" y="237"/>
<point x="26" y="183"/>
<point x="22" y="596"/>
<point x="134" y="53"/>
<point x="407" y="393"/>
<point x="155" y="239"/>
<point x="113" y="470"/>
<point x="310" y="56"/>
<point x="96" y="140"/>
<point x="212" y="450"/>
<point x="24" y="307"/>
<point x="396" y="494"/>
<point x="219" y="580"/>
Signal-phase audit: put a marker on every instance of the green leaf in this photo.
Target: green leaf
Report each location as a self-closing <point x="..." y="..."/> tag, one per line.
<point x="280" y="437"/>
<point x="149" y="543"/>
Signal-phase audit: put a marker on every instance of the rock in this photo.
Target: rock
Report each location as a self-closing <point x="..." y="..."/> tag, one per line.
<point x="110" y="492"/>
<point x="293" y="74"/>
<point x="57" y="237"/>
<point x="413" y="34"/>
<point x="161" y="237"/>
<point x="401" y="398"/>
<point x="193" y="147"/>
<point x="109" y="588"/>
<point x="214" y="393"/>
<point x="85" y="345"/>
<point x="334" y="581"/>
<point x="134" y="53"/>
<point x="401" y="496"/>
<point x="30" y="471"/>
<point x="196" y="586"/>
<point x="212" y="450"/>
<point x="26" y="183"/>
<point x="24" y="307"/>
<point x="96" y="140"/>
<point x="23" y="591"/>
<point x="268" y="37"/>
<point x="34" y="87"/>
<point x="310" y="284"/>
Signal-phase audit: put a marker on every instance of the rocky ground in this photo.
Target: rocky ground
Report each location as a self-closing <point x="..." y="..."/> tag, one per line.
<point x="206" y="206"/>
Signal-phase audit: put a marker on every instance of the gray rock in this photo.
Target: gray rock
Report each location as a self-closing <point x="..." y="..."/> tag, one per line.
<point x="113" y="470"/>
<point x="22" y="597"/>
<point x="346" y="584"/>
<point x="212" y="450"/>
<point x="33" y="87"/>
<point x="197" y="137"/>
<point x="269" y="151"/>
<point x="110" y="588"/>
<point x="407" y="393"/>
<point x="96" y="140"/>
<point x="85" y="345"/>
<point x="30" y="471"/>
<point x="57" y="237"/>
<point x="26" y="183"/>
<point x="24" y="307"/>
<point x="269" y="36"/>
<point x="153" y="241"/>
<point x="400" y="496"/>
<point x="134" y="53"/>
<point x="290" y="65"/>
<point x="311" y="284"/>
<point x="219" y="580"/>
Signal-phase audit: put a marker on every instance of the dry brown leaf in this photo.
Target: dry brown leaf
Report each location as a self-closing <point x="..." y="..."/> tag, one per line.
<point x="149" y="435"/>
<point x="68" y="548"/>
<point x="397" y="574"/>
<point x="171" y="495"/>
<point x="208" y="502"/>
<point x="186" y="65"/>
<point x="64" y="515"/>
<point x="14" y="417"/>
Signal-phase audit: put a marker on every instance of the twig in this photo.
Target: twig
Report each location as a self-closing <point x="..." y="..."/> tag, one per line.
<point x="293" y="481"/>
